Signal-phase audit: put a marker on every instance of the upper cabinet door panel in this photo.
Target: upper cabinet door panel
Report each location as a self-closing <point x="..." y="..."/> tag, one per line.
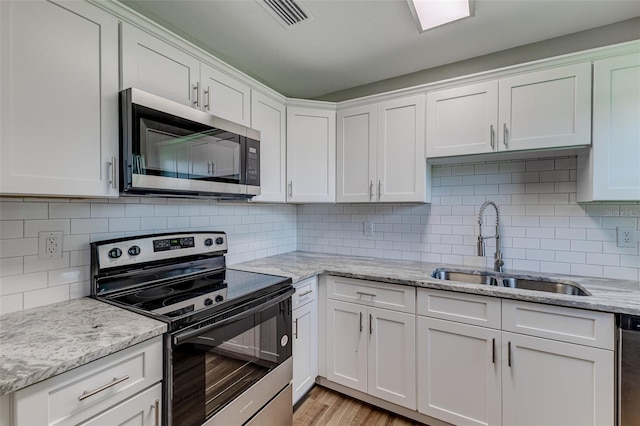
<point x="356" y="154"/>
<point x="546" y="109"/>
<point x="462" y="120"/>
<point x="59" y="103"/>
<point x="401" y="150"/>
<point x="269" y="117"/>
<point x="224" y="96"/>
<point x="311" y="155"/>
<point x="616" y="128"/>
<point x="155" y="66"/>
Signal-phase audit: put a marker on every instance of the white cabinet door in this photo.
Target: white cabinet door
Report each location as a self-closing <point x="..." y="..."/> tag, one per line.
<point x="462" y="120"/>
<point x="546" y="109"/>
<point x="311" y="155"/>
<point x="347" y="341"/>
<point x="144" y="409"/>
<point x="545" y="382"/>
<point x="224" y="96"/>
<point x="305" y="349"/>
<point x="59" y="103"/>
<point x="459" y="369"/>
<point x="357" y="154"/>
<point x="610" y="172"/>
<point x="402" y="167"/>
<point x="157" y="67"/>
<point x="392" y="356"/>
<point x="269" y="117"/>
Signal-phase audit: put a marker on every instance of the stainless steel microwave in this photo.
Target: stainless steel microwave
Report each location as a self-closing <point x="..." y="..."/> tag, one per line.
<point x="170" y="149"/>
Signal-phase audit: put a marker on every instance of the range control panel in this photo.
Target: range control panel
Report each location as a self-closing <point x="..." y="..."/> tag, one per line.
<point x="149" y="248"/>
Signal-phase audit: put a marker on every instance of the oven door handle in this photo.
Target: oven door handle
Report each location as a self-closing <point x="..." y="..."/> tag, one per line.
<point x="181" y="337"/>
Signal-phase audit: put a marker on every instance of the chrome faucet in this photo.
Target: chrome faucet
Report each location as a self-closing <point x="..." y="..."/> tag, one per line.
<point x="498" y="262"/>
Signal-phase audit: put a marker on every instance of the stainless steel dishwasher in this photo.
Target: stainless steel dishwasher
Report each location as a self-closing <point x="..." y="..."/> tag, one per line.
<point x="629" y="371"/>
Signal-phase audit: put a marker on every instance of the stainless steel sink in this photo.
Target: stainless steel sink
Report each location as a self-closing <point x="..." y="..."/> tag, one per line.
<point x="511" y="281"/>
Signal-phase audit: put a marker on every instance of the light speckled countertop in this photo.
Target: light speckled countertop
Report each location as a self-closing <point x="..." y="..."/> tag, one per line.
<point x="42" y="342"/>
<point x="617" y="296"/>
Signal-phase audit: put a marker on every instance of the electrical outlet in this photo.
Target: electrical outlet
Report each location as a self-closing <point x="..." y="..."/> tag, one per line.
<point x="626" y="236"/>
<point x="49" y="245"/>
<point x="368" y="228"/>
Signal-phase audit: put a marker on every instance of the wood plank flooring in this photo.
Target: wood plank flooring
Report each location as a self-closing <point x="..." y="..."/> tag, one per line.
<point x="324" y="407"/>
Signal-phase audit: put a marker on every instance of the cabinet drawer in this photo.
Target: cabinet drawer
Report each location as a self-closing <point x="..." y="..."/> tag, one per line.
<point x="145" y="408"/>
<point x="306" y="291"/>
<point x="78" y="394"/>
<point x="589" y="328"/>
<point x="371" y="293"/>
<point x="466" y="308"/>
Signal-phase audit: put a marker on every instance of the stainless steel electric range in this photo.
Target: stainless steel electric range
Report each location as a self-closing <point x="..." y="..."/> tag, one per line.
<point x="227" y="356"/>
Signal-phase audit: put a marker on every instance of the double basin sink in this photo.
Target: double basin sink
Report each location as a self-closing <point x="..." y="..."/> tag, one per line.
<point x="510" y="281"/>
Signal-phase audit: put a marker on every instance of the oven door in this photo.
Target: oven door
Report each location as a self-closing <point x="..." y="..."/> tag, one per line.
<point x="229" y="369"/>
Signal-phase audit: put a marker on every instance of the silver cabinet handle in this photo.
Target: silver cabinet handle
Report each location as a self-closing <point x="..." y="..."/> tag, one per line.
<point x="290" y="189"/>
<point x="504" y="135"/>
<point x="87" y="394"/>
<point x="492" y="134"/>
<point x="509" y="353"/>
<point x="370" y="190"/>
<point x="112" y="172"/>
<point x="208" y="167"/>
<point x="361" y="293"/>
<point x="156" y="406"/>
<point x="305" y="293"/>
<point x="493" y="351"/>
<point x="370" y="324"/>
<point x="361" y="315"/>
<point x="296" y="332"/>
<point x="207" y="93"/>
<point x="196" y="98"/>
<point x="379" y="189"/>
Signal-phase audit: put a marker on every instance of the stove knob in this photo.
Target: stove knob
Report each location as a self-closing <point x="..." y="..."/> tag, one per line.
<point x="208" y="242"/>
<point x="219" y="240"/>
<point x="114" y="253"/>
<point x="134" y="250"/>
<point x="208" y="302"/>
<point x="219" y="298"/>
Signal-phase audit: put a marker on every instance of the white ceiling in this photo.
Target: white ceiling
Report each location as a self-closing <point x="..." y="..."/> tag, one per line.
<point x="349" y="43"/>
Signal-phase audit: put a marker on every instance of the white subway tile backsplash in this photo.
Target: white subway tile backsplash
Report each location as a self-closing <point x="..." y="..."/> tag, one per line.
<point x="11" y="229"/>
<point x="89" y="226"/>
<point x="33" y="227"/>
<point x="18" y="247"/>
<point x="16" y="210"/>
<point x="21" y="283"/>
<point x="69" y="210"/>
<point x="33" y="299"/>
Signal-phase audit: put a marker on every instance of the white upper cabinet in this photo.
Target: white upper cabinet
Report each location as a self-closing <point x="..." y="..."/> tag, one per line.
<point x="543" y="109"/>
<point x="381" y="154"/>
<point x="59" y="103"/>
<point x="155" y="66"/>
<point x="224" y="96"/>
<point x="610" y="172"/>
<point x="269" y="117"/>
<point x="357" y="154"/>
<point x="462" y="120"/>
<point x="546" y="109"/>
<point x="311" y="155"/>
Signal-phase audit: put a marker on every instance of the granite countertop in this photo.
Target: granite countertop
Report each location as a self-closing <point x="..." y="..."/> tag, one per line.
<point x="607" y="295"/>
<point x="42" y="342"/>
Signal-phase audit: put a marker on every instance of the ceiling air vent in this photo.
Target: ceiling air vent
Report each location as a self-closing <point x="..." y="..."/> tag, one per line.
<point x="287" y="12"/>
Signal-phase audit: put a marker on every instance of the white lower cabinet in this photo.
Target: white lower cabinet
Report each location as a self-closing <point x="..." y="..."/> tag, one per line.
<point x="459" y="368"/>
<point x="369" y="349"/>
<point x="122" y="388"/>
<point x="470" y="375"/>
<point x="305" y="337"/>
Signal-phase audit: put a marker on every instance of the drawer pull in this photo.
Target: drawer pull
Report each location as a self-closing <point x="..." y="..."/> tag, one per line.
<point x="296" y="328"/>
<point x="509" y="353"/>
<point x="305" y="293"/>
<point x="370" y="324"/>
<point x="493" y="351"/>
<point x="361" y="322"/>
<point x="87" y="394"/>
<point x="361" y="293"/>
<point x="156" y="406"/>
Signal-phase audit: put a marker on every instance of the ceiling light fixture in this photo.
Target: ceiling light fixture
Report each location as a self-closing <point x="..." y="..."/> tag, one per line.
<point x="433" y="13"/>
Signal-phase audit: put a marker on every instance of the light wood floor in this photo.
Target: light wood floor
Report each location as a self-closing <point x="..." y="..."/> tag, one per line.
<point x="323" y="407"/>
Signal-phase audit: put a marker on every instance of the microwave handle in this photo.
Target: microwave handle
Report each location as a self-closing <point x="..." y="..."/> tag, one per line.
<point x="181" y="337"/>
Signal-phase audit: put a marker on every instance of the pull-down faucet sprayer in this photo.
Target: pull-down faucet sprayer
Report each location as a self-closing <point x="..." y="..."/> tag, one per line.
<point x="498" y="262"/>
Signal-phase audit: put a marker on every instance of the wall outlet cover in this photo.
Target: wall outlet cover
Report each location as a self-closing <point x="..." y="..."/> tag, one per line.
<point x="49" y="245"/>
<point x="368" y="228"/>
<point x="626" y="236"/>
